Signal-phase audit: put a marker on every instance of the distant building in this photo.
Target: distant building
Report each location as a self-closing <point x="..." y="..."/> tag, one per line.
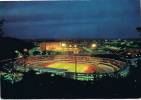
<point x="59" y="46"/>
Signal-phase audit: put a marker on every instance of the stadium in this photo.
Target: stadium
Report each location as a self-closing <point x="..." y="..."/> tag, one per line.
<point x="72" y="66"/>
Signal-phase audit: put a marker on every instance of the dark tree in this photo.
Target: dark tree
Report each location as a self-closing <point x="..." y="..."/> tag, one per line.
<point x="139" y="30"/>
<point x="1" y="27"/>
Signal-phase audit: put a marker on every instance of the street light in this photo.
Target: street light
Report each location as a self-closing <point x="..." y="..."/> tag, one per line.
<point x="25" y="57"/>
<point x="75" y="61"/>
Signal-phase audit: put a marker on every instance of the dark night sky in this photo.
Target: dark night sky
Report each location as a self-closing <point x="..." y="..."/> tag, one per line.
<point x="81" y="19"/>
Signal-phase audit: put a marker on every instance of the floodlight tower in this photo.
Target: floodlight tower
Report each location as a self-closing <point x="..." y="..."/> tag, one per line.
<point x="63" y="45"/>
<point x="75" y="61"/>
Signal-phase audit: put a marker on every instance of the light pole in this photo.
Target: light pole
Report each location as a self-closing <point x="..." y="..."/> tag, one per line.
<point x="25" y="57"/>
<point x="75" y="61"/>
<point x="63" y="45"/>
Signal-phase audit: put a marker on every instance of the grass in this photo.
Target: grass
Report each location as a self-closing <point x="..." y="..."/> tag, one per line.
<point x="70" y="67"/>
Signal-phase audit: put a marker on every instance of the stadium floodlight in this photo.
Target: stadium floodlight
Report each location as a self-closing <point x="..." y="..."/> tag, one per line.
<point x="63" y="44"/>
<point x="75" y="46"/>
<point x="70" y="46"/>
<point x="94" y="45"/>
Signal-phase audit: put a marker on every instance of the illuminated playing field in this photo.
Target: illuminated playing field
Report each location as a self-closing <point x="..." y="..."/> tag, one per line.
<point x="78" y="64"/>
<point x="70" y="67"/>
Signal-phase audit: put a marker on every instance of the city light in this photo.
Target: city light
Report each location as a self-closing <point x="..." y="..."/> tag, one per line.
<point x="16" y="51"/>
<point x="129" y="53"/>
<point x="25" y="50"/>
<point x="94" y="45"/>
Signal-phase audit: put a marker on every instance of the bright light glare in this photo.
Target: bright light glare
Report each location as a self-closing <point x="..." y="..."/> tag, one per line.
<point x="63" y="45"/>
<point x="94" y="45"/>
<point x="75" y="46"/>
